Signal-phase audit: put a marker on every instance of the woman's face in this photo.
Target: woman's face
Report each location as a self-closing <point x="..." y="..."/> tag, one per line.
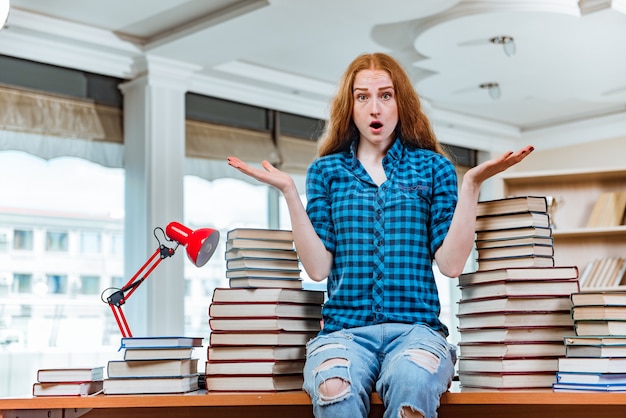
<point x="375" y="112"/>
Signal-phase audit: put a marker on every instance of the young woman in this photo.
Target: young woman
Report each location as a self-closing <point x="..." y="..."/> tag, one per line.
<point x="382" y="204"/>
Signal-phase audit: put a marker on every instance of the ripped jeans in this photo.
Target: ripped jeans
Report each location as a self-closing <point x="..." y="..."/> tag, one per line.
<point x="408" y="365"/>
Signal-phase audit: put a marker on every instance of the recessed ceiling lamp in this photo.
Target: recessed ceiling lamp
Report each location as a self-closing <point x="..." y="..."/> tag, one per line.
<point x="492" y="88"/>
<point x="507" y="42"/>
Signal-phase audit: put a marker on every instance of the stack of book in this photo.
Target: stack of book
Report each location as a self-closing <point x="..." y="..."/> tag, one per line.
<point x="595" y="357"/>
<point x="153" y="365"/>
<point x="72" y="381"/>
<point x="513" y="318"/>
<point x="258" y="337"/>
<point x="514" y="232"/>
<point x="257" y="257"/>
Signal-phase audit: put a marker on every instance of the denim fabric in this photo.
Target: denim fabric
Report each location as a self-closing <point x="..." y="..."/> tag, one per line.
<point x="389" y="358"/>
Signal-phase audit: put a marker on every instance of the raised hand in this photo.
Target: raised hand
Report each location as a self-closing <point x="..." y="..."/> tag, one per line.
<point x="269" y="175"/>
<point x="492" y="167"/>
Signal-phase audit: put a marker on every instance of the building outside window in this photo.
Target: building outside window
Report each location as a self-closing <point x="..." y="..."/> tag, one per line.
<point x="23" y="239"/>
<point x="56" y="241"/>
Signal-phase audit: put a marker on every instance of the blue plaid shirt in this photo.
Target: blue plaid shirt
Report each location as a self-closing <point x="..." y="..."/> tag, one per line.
<point x="383" y="238"/>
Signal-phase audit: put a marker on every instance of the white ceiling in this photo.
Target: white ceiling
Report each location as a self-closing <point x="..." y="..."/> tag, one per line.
<point x="567" y="77"/>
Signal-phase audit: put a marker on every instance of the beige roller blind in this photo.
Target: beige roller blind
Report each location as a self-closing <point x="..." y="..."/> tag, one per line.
<point x="34" y="112"/>
<point x="216" y="142"/>
<point x="297" y="154"/>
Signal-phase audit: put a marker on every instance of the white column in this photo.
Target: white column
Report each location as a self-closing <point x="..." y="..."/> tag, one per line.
<point x="154" y="152"/>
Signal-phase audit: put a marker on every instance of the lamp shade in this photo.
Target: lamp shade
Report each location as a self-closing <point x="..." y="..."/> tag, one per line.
<point x="200" y="244"/>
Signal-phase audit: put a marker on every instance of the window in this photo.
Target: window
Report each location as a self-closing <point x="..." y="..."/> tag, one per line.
<point x="56" y="284"/>
<point x="90" y="285"/>
<point x="117" y="244"/>
<point x="56" y="241"/>
<point x="22" y="283"/>
<point x="90" y="242"/>
<point x="23" y="239"/>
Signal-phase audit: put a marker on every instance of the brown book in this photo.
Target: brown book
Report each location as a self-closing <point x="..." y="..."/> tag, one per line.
<point x="520" y="250"/>
<point x="511" y="233"/>
<point x="265" y="273"/>
<point x="67" y="388"/>
<point x="520" y="364"/>
<point x="264" y="310"/>
<point x="258" y="282"/>
<point x="515" y="334"/>
<point x="514" y="304"/>
<point x="249" y="295"/>
<point x="260" y="233"/>
<point x="513" y="204"/>
<point x="599" y="312"/>
<point x="150" y="385"/>
<point x="600" y="327"/>
<point x="70" y="374"/>
<point x="273" y="383"/>
<point x="262" y="263"/>
<point x="253" y="367"/>
<point x="601" y="298"/>
<point x="512" y="349"/>
<point x="513" y="241"/>
<point x="264" y="324"/>
<point x="512" y="380"/>
<point x="520" y="288"/>
<point x="151" y="368"/>
<point x="256" y="352"/>
<point x="512" y="220"/>
<point x="249" y="338"/>
<point x="608" y="210"/>
<point x="519" y="273"/>
<point x="517" y="261"/>
<point x="516" y="319"/>
<point x="270" y="253"/>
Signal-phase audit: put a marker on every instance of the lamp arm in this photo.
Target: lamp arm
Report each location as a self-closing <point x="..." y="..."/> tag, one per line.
<point x="119" y="297"/>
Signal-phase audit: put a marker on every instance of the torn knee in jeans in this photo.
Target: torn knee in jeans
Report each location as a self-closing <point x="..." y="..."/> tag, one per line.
<point x="410" y="412"/>
<point x="424" y="358"/>
<point x="333" y="389"/>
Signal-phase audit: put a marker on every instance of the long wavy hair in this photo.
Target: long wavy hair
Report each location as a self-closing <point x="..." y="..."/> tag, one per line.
<point x="413" y="128"/>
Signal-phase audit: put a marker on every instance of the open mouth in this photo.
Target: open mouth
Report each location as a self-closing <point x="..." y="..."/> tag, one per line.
<point x="376" y="125"/>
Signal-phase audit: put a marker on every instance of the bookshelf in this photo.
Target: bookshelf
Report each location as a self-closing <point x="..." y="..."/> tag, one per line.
<point x="575" y="193"/>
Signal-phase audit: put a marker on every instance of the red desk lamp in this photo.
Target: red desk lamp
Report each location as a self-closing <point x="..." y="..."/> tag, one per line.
<point x="200" y="245"/>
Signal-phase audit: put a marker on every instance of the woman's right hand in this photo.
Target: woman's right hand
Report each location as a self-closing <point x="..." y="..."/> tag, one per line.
<point x="270" y="175"/>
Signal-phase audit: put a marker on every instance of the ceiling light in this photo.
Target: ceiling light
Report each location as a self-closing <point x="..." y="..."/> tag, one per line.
<point x="492" y="88"/>
<point x="507" y="42"/>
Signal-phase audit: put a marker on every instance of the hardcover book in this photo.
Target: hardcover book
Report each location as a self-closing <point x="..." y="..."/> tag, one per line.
<point x="271" y="338"/>
<point x="515" y="334"/>
<point x="262" y="263"/>
<point x="160" y="342"/>
<point x="522" y="364"/>
<point x="513" y="204"/>
<point x="516" y="319"/>
<point x="264" y="324"/>
<point x="260" y="244"/>
<point x="512" y="349"/>
<point x="253" y="368"/>
<point x="592" y="365"/>
<point x="520" y="288"/>
<point x="264" y="273"/>
<point x="67" y="388"/>
<point x="251" y="295"/>
<point x="274" y="383"/>
<point x="264" y="310"/>
<point x="253" y="282"/>
<point x="259" y="353"/>
<point x="518" y="250"/>
<point x="172" y="353"/>
<point x="70" y="374"/>
<point x="510" y="233"/>
<point x="514" y="241"/>
<point x="150" y="385"/>
<point x="514" y="304"/>
<point x="512" y="220"/>
<point x="151" y="368"/>
<point x="519" y="273"/>
<point x="510" y="380"/>
<point x="270" y="253"/>
<point x="260" y="233"/>
<point x="517" y="261"/>
<point x="600" y="327"/>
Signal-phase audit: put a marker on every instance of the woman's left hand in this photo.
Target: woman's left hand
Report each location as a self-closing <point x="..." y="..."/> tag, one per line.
<point x="492" y="167"/>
